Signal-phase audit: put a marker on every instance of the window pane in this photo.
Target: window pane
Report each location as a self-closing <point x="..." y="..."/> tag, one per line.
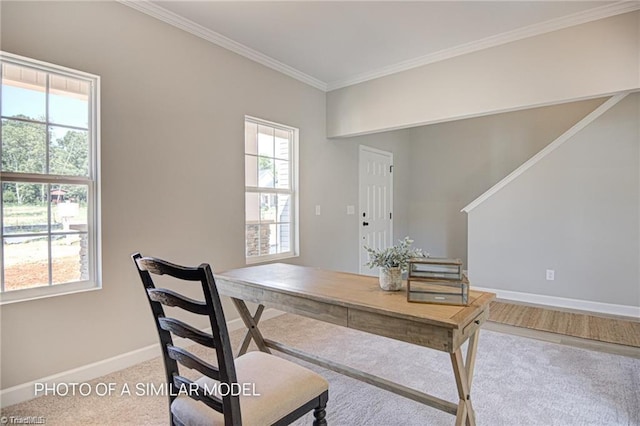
<point x="25" y="262"/>
<point x="24" y="208"/>
<point x="69" y="152"/>
<point x="265" y="141"/>
<point x="267" y="207"/>
<point x="45" y="130"/>
<point x="68" y="101"/>
<point x="69" y="208"/>
<point x="23" y="92"/>
<point x="250" y="170"/>
<point x="23" y="147"/>
<point x="284" y="237"/>
<point x="266" y="172"/>
<point x="282" y="144"/>
<point x="282" y="174"/>
<point x="268" y="213"/>
<point x="284" y="208"/>
<point x="67" y="256"/>
<point x="267" y="239"/>
<point x="252" y="207"/>
<point x="250" y="138"/>
<point x="253" y="240"/>
<point x="273" y="240"/>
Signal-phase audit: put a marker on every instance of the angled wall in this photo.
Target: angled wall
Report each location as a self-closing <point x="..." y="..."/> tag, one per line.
<point x="453" y="163"/>
<point x="576" y="211"/>
<point x="585" y="61"/>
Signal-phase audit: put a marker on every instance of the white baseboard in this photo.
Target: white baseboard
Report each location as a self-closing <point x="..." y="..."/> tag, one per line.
<point x="561" y="302"/>
<point x="26" y="391"/>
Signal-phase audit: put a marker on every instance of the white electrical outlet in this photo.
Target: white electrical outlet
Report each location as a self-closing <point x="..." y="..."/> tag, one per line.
<point x="551" y="275"/>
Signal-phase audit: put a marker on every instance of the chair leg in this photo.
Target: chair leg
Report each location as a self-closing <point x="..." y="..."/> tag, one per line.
<point x="319" y="414"/>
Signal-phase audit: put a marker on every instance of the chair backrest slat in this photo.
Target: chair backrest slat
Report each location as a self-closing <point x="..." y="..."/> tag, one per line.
<point x="191" y="361"/>
<point x="171" y="298"/>
<point x="182" y="329"/>
<point x="162" y="267"/>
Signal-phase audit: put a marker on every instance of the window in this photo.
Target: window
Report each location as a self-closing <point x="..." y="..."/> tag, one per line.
<point x="270" y="158"/>
<point x="49" y="177"/>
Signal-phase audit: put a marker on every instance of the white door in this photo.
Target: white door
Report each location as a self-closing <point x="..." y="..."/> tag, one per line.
<point x="376" y="202"/>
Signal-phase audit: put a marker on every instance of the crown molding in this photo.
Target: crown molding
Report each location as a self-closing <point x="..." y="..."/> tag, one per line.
<point x="583" y="17"/>
<point x="602" y="12"/>
<point x="189" y="26"/>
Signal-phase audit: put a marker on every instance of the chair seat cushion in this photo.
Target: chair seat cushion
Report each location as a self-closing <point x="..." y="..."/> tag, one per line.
<point x="283" y="386"/>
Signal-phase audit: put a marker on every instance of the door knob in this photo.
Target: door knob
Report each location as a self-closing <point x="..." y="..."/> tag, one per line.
<point x="365" y="223"/>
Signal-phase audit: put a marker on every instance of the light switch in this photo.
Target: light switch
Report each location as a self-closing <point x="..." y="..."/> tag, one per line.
<point x="351" y="210"/>
<point x="318" y="210"/>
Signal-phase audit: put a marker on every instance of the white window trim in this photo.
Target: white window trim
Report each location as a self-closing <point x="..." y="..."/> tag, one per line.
<point x="295" y="229"/>
<point x="94" y="223"/>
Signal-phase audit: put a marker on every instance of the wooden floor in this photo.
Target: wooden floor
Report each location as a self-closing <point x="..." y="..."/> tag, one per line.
<point x="619" y="335"/>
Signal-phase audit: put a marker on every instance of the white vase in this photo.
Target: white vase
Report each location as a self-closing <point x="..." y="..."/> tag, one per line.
<point x="390" y="279"/>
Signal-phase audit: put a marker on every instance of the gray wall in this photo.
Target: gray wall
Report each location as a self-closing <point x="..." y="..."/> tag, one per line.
<point x="329" y="178"/>
<point x="173" y="107"/>
<point x="576" y="211"/>
<point x="589" y="60"/>
<point x="172" y="123"/>
<point x="454" y="163"/>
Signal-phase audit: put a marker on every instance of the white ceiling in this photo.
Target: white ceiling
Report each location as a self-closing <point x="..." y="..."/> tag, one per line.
<point x="332" y="44"/>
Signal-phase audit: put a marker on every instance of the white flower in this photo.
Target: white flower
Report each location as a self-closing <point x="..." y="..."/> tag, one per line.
<point x="394" y="257"/>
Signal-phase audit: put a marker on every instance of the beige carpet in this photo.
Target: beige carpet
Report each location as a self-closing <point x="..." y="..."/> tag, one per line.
<point x="585" y="326"/>
<point x="518" y="381"/>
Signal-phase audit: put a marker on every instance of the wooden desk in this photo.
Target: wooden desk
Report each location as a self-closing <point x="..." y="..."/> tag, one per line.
<point x="356" y="301"/>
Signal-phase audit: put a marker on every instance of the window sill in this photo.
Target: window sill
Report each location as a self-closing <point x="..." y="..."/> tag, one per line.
<point x="47" y="291"/>
<point x="270" y="258"/>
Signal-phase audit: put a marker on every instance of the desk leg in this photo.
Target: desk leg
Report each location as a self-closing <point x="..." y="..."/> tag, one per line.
<point x="472" y="349"/>
<point x="464" y="375"/>
<point x="247" y="337"/>
<point x="251" y="322"/>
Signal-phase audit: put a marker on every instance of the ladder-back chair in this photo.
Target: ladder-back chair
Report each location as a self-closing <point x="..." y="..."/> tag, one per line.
<point x="286" y="390"/>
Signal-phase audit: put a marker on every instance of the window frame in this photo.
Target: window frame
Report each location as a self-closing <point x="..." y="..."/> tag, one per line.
<point x="93" y="182"/>
<point x="293" y="192"/>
